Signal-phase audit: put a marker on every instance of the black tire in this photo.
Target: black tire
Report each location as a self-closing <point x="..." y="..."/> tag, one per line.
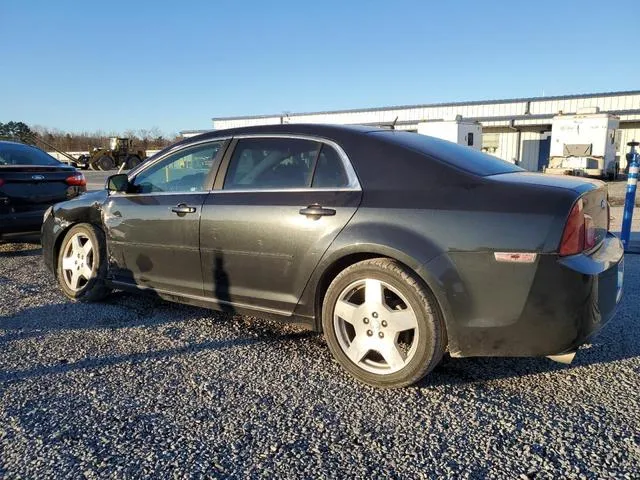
<point x="132" y="161"/>
<point x="106" y="163"/>
<point x="430" y="330"/>
<point x="93" y="288"/>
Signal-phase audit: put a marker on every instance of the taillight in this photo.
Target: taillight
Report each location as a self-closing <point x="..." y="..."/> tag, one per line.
<point x="76" y="180"/>
<point x="589" y="233"/>
<point x="579" y="232"/>
<point x="1" y="182"/>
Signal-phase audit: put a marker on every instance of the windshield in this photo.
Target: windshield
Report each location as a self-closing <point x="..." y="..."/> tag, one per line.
<point x="18" y="154"/>
<point x="464" y="158"/>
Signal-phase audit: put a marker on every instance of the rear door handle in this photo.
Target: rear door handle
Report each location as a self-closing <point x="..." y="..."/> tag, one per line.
<point x="183" y="209"/>
<point x="317" y="211"/>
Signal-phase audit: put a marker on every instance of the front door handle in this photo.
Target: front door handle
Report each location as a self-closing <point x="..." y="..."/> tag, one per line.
<point x="316" y="210"/>
<point x="182" y="209"/>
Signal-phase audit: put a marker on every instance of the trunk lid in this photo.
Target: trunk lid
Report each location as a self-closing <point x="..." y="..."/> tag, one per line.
<point x="33" y="188"/>
<point x="593" y="194"/>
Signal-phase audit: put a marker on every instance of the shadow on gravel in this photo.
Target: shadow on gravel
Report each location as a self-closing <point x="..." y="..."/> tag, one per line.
<point x="138" y="358"/>
<point x="619" y="340"/>
<point x="118" y="310"/>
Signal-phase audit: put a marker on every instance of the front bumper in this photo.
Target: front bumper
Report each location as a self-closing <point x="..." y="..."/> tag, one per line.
<point x="48" y="240"/>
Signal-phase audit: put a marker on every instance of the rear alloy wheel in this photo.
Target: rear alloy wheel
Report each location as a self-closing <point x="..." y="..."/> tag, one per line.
<point x="81" y="264"/>
<point x="382" y="324"/>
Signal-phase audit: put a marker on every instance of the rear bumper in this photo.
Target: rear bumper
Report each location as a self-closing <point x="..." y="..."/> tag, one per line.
<point x="604" y="272"/>
<point x="548" y="308"/>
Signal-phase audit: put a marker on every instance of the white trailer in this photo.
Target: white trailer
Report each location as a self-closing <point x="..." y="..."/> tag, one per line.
<point x="460" y="131"/>
<point x="584" y="144"/>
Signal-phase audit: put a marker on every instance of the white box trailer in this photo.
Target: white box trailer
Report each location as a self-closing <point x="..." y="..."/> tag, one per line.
<point x="584" y="144"/>
<point x="460" y="131"/>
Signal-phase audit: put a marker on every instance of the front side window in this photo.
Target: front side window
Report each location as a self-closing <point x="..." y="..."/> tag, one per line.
<point x="271" y="163"/>
<point x="183" y="171"/>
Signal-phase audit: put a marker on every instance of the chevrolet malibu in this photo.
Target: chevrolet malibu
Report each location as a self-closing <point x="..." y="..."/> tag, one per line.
<point x="397" y="246"/>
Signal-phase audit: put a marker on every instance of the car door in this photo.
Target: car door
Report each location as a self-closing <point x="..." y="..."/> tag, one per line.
<point x="277" y="204"/>
<point x="153" y="230"/>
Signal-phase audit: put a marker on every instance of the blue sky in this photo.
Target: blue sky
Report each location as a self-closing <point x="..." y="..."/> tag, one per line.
<point x="174" y="65"/>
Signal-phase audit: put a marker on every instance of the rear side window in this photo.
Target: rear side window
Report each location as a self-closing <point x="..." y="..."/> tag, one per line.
<point x="329" y="171"/>
<point x="17" y="154"/>
<point x="464" y="158"/>
<point x="271" y="163"/>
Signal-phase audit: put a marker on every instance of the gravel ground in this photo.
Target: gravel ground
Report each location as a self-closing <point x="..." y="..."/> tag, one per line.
<point x="139" y="387"/>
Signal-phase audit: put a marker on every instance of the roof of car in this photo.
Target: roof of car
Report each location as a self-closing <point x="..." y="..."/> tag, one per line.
<point x="321" y="129"/>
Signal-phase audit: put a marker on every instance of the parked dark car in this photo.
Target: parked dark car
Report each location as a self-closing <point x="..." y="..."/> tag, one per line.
<point x="30" y="182"/>
<point x="397" y="246"/>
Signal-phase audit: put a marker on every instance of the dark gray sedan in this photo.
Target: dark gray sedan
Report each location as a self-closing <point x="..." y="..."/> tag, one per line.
<point x="399" y="247"/>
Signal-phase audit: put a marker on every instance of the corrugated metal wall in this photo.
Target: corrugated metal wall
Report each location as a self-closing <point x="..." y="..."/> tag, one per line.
<point x="494" y="115"/>
<point x="414" y="114"/>
<point x="626" y="136"/>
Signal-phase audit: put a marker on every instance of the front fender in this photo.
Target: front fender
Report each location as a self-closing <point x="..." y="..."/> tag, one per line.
<point x="86" y="208"/>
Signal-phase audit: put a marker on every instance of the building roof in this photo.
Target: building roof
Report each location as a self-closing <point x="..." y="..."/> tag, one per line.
<point x="431" y="105"/>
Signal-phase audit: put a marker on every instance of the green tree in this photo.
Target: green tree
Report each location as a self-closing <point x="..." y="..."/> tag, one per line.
<point x="16" y="130"/>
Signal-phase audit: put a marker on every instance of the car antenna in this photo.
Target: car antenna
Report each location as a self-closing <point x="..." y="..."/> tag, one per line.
<point x="393" y="124"/>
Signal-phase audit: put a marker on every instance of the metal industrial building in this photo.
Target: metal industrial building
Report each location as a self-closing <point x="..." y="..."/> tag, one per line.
<point x="515" y="130"/>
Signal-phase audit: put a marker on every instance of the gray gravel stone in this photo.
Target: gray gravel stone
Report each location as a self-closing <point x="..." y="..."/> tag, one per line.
<point x="137" y="387"/>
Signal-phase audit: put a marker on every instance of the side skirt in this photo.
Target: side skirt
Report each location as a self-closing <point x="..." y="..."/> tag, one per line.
<point x="217" y="305"/>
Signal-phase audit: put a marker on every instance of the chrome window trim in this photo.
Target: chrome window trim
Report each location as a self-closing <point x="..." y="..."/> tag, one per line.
<point x="157" y="194"/>
<point x="248" y="190"/>
<point x="354" y="183"/>
<point x="282" y="190"/>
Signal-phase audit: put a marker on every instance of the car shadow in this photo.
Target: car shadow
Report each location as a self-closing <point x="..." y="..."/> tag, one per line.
<point x="123" y="309"/>
<point x="8" y="377"/>
<point x="618" y="341"/>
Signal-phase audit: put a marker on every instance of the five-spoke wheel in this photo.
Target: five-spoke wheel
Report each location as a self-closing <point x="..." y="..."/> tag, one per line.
<point x="375" y="326"/>
<point x="81" y="267"/>
<point x="382" y="323"/>
<point x="78" y="261"/>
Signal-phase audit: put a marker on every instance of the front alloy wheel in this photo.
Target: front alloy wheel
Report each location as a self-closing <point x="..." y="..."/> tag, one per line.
<point x="78" y="261"/>
<point x="81" y="266"/>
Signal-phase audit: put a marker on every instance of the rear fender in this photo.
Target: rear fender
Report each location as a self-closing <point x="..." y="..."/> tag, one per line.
<point x="419" y="253"/>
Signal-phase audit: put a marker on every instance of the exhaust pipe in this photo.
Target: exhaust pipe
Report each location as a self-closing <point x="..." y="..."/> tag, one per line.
<point x="565" y="358"/>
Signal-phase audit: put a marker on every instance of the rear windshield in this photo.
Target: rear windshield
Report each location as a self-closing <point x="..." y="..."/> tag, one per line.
<point x="17" y="154"/>
<point x="464" y="158"/>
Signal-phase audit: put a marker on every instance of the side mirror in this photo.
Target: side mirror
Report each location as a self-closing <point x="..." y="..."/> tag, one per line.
<point x="118" y="183"/>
